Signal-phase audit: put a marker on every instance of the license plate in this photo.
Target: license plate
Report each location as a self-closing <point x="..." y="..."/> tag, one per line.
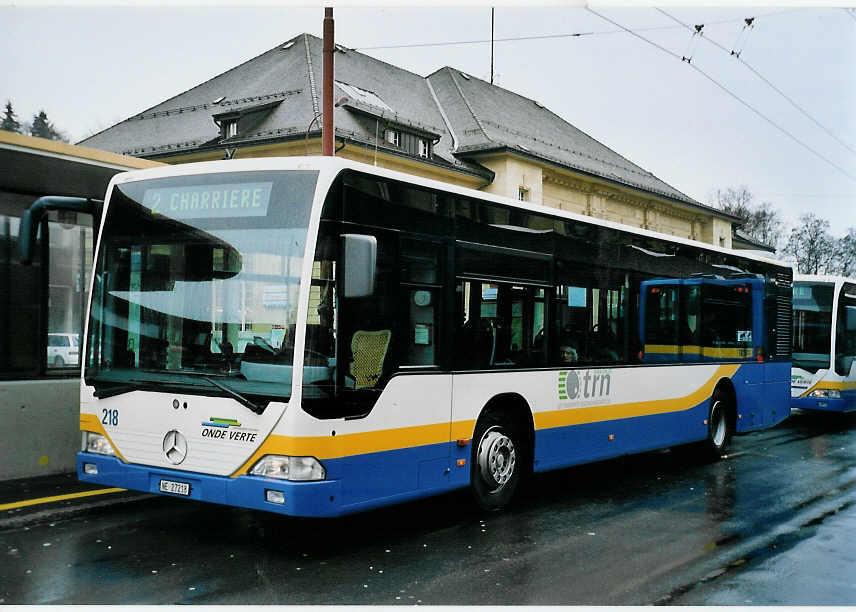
<point x="178" y="488"/>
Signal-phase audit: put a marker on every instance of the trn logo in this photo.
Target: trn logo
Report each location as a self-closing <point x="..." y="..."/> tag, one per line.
<point x="593" y="383"/>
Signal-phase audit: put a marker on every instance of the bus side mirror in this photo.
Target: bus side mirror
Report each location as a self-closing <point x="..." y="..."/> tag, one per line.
<point x="359" y="262"/>
<point x="34" y="214"/>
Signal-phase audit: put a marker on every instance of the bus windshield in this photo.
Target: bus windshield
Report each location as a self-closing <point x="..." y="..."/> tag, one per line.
<point x="196" y="284"/>
<point x="812" y="325"/>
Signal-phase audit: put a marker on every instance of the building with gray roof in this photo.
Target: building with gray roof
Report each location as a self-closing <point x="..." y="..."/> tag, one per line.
<point x="449" y="126"/>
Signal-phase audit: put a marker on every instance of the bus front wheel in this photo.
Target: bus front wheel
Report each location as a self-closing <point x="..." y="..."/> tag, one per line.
<point x="497" y="462"/>
<point x="719" y="426"/>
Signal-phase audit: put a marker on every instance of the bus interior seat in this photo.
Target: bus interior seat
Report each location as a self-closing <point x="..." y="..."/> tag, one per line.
<point x="369" y="352"/>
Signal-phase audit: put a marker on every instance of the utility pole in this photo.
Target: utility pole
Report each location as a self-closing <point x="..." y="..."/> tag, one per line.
<point x="327" y="133"/>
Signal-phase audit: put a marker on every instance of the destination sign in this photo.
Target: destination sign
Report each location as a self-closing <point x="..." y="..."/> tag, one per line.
<point x="210" y="201"/>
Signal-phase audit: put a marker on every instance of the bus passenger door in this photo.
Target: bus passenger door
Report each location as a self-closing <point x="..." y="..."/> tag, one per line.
<point x="420" y="322"/>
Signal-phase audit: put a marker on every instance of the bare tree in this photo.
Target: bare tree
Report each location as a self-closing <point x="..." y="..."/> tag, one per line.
<point x="735" y="201"/>
<point x="760" y="221"/>
<point x="765" y="224"/>
<point x="811" y="246"/>
<point x="845" y="254"/>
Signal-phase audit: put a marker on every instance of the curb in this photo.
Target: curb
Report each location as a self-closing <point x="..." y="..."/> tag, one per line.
<point x="15" y="519"/>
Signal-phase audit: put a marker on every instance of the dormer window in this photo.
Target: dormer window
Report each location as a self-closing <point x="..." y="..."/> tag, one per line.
<point x="250" y="114"/>
<point x="393" y="137"/>
<point x="424" y="148"/>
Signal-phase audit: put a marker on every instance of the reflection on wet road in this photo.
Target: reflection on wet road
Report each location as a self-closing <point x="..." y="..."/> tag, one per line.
<point x="773" y="523"/>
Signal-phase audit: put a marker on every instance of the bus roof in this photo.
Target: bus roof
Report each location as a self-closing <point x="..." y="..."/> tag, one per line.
<point x="333" y="165"/>
<point x="38" y="166"/>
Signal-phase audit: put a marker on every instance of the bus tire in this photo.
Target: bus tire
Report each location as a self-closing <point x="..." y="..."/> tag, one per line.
<point x="720" y="426"/>
<point x="497" y="463"/>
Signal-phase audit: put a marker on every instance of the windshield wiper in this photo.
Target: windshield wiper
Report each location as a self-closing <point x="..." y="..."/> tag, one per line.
<point x="140" y="385"/>
<point x="246" y="402"/>
<point x="145" y="385"/>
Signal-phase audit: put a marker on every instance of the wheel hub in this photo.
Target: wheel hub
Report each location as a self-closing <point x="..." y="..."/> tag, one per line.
<point x="497" y="458"/>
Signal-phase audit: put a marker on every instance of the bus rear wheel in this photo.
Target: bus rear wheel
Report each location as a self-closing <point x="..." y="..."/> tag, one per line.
<point x="720" y="427"/>
<point x="497" y="462"/>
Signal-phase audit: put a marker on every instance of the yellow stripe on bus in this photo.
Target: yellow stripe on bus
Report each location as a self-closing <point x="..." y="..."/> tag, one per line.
<point x="594" y="414"/>
<point x="707" y="351"/>
<point x="345" y="445"/>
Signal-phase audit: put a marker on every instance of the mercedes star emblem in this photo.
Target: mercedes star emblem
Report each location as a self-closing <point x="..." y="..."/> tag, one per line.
<point x="174" y="447"/>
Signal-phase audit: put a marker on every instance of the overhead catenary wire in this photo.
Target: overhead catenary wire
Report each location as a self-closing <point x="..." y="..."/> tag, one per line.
<point x="765" y="80"/>
<point x="729" y="92"/>
<point x="544" y="36"/>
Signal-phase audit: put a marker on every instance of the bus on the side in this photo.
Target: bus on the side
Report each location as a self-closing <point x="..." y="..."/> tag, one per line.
<point x="316" y="337"/>
<point x="823" y="376"/>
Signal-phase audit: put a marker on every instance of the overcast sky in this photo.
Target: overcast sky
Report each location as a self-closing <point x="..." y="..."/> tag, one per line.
<point x="91" y="67"/>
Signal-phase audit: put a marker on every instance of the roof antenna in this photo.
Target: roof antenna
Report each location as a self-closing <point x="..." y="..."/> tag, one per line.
<point x="491" y="45"/>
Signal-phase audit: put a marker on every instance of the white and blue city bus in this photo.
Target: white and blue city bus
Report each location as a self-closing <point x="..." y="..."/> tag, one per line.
<point x="824" y="344"/>
<point x="315" y="337"/>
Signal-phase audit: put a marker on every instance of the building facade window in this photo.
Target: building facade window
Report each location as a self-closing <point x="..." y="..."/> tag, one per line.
<point x="392" y="137"/>
<point x="230" y="128"/>
<point x="424" y="148"/>
<point x="523" y="193"/>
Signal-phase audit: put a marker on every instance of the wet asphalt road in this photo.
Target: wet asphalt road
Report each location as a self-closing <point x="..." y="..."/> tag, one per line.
<point x="774" y="523"/>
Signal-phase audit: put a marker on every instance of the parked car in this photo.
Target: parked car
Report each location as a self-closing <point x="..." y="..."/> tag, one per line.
<point x="63" y="350"/>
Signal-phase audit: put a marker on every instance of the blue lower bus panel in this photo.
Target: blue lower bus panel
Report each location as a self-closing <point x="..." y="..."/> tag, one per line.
<point x="845" y="403"/>
<point x="353" y="484"/>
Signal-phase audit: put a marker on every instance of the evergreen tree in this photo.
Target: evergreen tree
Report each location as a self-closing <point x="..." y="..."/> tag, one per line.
<point x="10" y="123"/>
<point x="43" y="128"/>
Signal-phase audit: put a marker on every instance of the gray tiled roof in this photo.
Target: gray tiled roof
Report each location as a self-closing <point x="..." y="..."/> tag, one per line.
<point x="291" y="73"/>
<point x="468" y="114"/>
<point x="741" y="239"/>
<point x="488" y="117"/>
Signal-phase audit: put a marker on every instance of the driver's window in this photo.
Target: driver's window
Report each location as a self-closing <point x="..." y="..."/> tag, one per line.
<point x="845" y="336"/>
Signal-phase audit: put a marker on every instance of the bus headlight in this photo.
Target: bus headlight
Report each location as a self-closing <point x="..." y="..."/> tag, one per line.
<point x="289" y="468"/>
<point x="826" y="393"/>
<point x="96" y="443"/>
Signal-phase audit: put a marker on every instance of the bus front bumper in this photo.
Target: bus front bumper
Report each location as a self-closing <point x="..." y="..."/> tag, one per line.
<point x="825" y="404"/>
<point x="310" y="499"/>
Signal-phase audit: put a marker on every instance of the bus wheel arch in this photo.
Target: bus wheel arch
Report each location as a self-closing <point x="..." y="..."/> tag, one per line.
<point x="502" y="450"/>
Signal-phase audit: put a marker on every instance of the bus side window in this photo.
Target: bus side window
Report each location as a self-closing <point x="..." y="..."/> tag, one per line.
<point x="690" y="322"/>
<point x="421" y="290"/>
<point x="476" y="333"/>
<point x="726" y="329"/>
<point x="661" y="322"/>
